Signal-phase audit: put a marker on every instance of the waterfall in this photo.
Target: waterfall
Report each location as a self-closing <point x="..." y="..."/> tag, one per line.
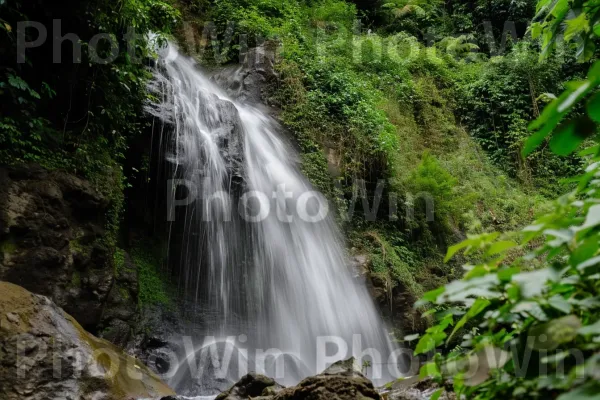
<point x="260" y="256"/>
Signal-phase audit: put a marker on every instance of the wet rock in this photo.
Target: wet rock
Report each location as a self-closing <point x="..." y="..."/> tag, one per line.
<point x="341" y="381"/>
<point x="251" y="386"/>
<point x="46" y="354"/>
<point x="156" y="337"/>
<point x="393" y="300"/>
<point x="413" y="388"/>
<point x="248" y="81"/>
<point x="120" y="313"/>
<point x="347" y="367"/>
<point x="226" y="125"/>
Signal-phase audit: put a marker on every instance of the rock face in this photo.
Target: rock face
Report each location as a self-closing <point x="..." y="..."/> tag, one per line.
<point x="156" y="337"/>
<point x="247" y="81"/>
<point x="46" y="354"/>
<point x="120" y="312"/>
<point x="51" y="230"/>
<point x="394" y="301"/>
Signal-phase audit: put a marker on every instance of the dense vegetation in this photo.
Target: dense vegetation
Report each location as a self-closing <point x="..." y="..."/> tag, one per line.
<point x="422" y="102"/>
<point x="533" y="321"/>
<point x="62" y="105"/>
<point x="389" y="107"/>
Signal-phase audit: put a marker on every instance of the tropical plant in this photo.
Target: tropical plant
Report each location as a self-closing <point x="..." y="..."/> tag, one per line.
<point x="530" y="325"/>
<point x="527" y="310"/>
<point x="582" y="26"/>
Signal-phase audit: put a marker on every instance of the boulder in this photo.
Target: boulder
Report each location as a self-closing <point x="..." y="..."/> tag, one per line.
<point x="46" y="354"/>
<point x="251" y="386"/>
<point x="414" y="388"/>
<point x="341" y="381"/>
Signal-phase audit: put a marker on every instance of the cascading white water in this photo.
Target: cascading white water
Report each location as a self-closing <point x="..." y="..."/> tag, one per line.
<point x="259" y="256"/>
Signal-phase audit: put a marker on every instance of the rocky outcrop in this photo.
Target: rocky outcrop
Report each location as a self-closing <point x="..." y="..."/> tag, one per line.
<point x="341" y="381"/>
<point x="251" y="386"/>
<point x="52" y="226"/>
<point x="413" y="388"/>
<point x="46" y="354"/>
<point x="248" y="81"/>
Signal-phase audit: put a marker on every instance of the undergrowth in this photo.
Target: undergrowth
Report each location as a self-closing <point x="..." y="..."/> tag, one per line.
<point x="154" y="285"/>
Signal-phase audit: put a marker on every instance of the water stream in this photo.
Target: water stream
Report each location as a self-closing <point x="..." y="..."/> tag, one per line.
<point x="259" y="251"/>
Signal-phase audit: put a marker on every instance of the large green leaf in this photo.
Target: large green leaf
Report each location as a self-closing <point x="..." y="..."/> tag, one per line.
<point x="576" y="26"/>
<point x="592" y="218"/>
<point x="593" y="107"/>
<point x="477" y="307"/>
<point x="589" y="391"/>
<point x="429" y="342"/>
<point x="558" y="302"/>
<point x="432" y="295"/>
<point x="593" y="329"/>
<point x="436" y="395"/>
<point x="552" y="334"/>
<point x="570" y="135"/>
<point x="588" y="263"/>
<point x="430" y="370"/>
<point x="500" y="247"/>
<point x="535" y="140"/>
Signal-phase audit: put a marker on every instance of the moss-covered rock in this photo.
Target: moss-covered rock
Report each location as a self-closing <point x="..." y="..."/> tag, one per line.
<point x="46" y="354"/>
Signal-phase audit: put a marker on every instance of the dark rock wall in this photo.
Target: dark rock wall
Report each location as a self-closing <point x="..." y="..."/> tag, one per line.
<point x="52" y="226"/>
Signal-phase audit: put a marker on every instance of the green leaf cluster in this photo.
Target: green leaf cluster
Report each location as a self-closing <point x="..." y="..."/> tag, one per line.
<point x="536" y="300"/>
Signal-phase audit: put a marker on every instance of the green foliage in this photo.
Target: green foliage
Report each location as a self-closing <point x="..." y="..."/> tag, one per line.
<point x="79" y="115"/>
<point x="582" y="19"/>
<point x="154" y="289"/>
<point x="394" y="262"/>
<point x="376" y="104"/>
<point x="498" y="104"/>
<point x="534" y="317"/>
<point x="119" y="259"/>
<point x="431" y="178"/>
<point x="540" y="308"/>
<point x="411" y="16"/>
<point x="76" y="114"/>
<point x="76" y="279"/>
<point x="8" y="246"/>
<point x="570" y="134"/>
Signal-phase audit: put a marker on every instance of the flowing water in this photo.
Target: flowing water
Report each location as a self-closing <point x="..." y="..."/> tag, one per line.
<point x="259" y="256"/>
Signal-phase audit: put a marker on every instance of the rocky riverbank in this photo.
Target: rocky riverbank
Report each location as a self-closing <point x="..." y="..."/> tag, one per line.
<point x="46" y="354"/>
<point x="341" y="381"/>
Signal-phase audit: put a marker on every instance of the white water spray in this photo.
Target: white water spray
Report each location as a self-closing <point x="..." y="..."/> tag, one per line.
<point x="259" y="254"/>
